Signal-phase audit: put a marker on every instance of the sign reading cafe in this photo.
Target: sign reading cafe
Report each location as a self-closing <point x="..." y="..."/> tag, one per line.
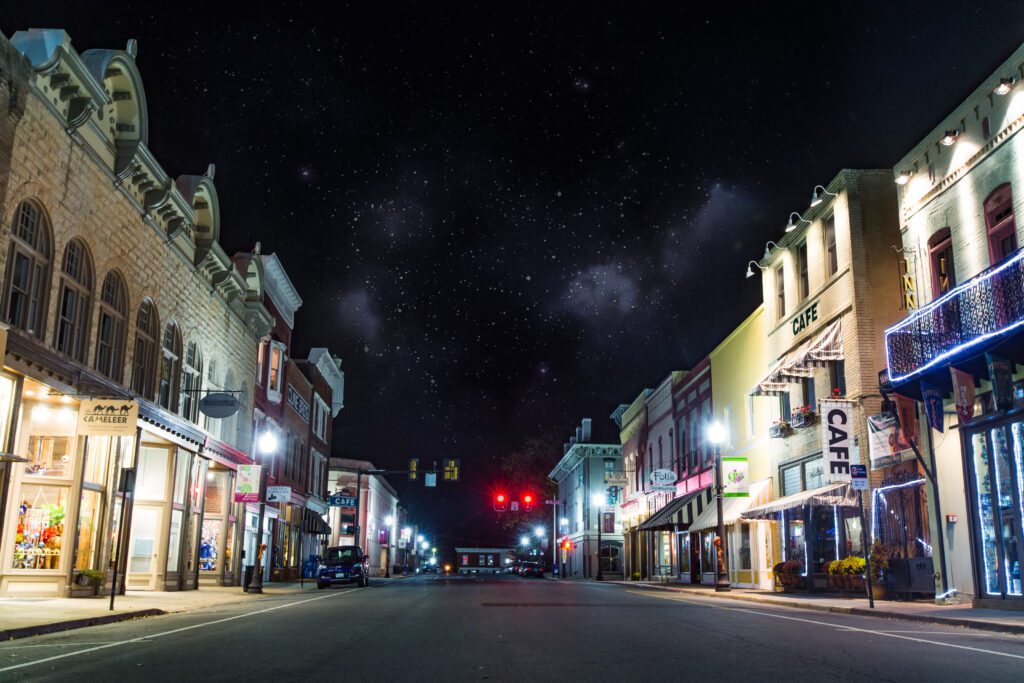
<point x="836" y="439"/>
<point x="107" y="417"/>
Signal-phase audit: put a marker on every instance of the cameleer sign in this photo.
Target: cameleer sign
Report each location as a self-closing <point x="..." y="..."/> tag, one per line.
<point x="836" y="440"/>
<point x="107" y="417"/>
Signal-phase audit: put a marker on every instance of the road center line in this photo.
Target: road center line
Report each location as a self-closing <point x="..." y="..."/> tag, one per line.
<point x="171" y="632"/>
<point x="885" y="634"/>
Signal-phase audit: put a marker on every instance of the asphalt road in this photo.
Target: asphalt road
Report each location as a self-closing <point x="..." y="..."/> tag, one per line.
<point x="460" y="629"/>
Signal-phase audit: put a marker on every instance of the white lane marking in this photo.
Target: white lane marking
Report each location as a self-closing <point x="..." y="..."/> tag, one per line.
<point x="171" y="632"/>
<point x="885" y="634"/>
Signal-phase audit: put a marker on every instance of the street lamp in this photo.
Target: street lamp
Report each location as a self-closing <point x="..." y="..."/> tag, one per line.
<point x="525" y="541"/>
<point x="389" y="522"/>
<point x="267" y="444"/>
<point x="419" y="539"/>
<point x="599" y="501"/>
<point x="716" y="435"/>
<point x="539" y="532"/>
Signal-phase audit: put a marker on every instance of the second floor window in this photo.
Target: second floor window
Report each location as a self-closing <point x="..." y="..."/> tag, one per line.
<point x="940" y="247"/>
<point x="75" y="301"/>
<point x="191" y="383"/>
<point x="801" y="259"/>
<point x="1002" y="228"/>
<point x="28" y="270"/>
<point x="275" y="371"/>
<point x="831" y="253"/>
<point x="780" y="293"/>
<point x="170" y="368"/>
<point x="110" y="332"/>
<point x="147" y="326"/>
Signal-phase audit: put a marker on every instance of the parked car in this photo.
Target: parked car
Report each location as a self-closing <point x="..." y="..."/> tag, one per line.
<point x="430" y="569"/>
<point x="343" y="564"/>
<point x="529" y="569"/>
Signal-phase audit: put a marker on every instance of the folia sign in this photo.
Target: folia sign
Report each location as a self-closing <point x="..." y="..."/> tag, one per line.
<point x="836" y="440"/>
<point x="107" y="417"/>
<point x="663" y="477"/>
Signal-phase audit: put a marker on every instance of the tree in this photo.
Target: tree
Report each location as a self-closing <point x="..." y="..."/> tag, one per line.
<point x="526" y="470"/>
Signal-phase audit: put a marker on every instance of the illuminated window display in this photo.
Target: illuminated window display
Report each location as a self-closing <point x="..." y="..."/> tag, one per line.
<point x="39" y="533"/>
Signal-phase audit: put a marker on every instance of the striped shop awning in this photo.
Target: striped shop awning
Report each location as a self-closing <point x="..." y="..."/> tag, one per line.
<point x="816" y="352"/>
<point x="680" y="511"/>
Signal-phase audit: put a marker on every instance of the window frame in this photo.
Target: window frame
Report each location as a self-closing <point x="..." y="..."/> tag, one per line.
<point x="146" y="347"/>
<point x="191" y="382"/>
<point x="71" y="328"/>
<point x="939" y="245"/>
<point x="38" y="257"/>
<point x="780" y="292"/>
<point x="831" y="248"/>
<point x="169" y="381"/>
<point x="274" y="392"/>
<point x="1000" y="223"/>
<point x="114" y="309"/>
<point x="803" y="279"/>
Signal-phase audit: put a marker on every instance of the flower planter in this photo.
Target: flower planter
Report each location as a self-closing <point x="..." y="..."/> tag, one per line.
<point x="779" y="431"/>
<point x="802" y="420"/>
<point x="879" y="592"/>
<point x="856" y="583"/>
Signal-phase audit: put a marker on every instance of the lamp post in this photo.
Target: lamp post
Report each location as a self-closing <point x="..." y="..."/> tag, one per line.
<point x="388" y="522"/>
<point x="266" y="444"/>
<point x="599" y="500"/>
<point x="716" y="435"/>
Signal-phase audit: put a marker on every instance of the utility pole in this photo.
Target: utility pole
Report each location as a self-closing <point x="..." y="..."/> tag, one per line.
<point x="554" y="533"/>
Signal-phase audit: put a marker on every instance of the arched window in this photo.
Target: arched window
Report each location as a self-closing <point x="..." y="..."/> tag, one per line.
<point x="170" y="368"/>
<point x="940" y="248"/>
<point x="147" y="334"/>
<point x="110" y="332"/>
<point x="1002" y="228"/>
<point x="28" y="270"/>
<point x="192" y="383"/>
<point x="75" y="302"/>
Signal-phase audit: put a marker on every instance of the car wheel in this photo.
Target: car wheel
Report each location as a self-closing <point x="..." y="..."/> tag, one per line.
<point x="321" y="586"/>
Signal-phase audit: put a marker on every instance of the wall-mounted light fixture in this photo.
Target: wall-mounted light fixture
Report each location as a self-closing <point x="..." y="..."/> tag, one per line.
<point x="904" y="177"/>
<point x="768" y="249"/>
<point x="950" y="137"/>
<point x="791" y="226"/>
<point x="750" y="273"/>
<point x="1004" y="87"/>
<point x="818" y="194"/>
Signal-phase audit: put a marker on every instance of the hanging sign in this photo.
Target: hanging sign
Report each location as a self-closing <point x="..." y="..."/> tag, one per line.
<point x="107" y="417"/>
<point x="279" y="494"/>
<point x="836" y="439"/>
<point x="338" y="500"/>
<point x="933" y="399"/>
<point x="617" y="477"/>
<point x="887" y="444"/>
<point x="218" y="405"/>
<point x="906" y="412"/>
<point x="859" y="474"/>
<point x="736" y="475"/>
<point x="247" y="484"/>
<point x="1000" y="373"/>
<point x="663" y="477"/>
<point x="963" y="393"/>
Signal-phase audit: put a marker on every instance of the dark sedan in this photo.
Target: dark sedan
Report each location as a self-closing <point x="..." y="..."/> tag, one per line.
<point x="343" y="564"/>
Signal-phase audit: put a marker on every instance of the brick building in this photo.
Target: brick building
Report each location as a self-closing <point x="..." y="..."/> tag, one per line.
<point x="115" y="287"/>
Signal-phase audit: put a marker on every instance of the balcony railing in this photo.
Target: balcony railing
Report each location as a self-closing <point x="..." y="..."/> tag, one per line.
<point x="985" y="307"/>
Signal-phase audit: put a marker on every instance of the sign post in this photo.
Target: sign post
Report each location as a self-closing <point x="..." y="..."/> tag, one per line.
<point x="859" y="483"/>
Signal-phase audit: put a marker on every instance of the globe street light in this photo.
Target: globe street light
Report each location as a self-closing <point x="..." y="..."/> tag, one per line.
<point x="424" y="544"/>
<point x="419" y="538"/>
<point x="267" y="445"/>
<point x="539" y="532"/>
<point x="716" y="435"/>
<point x="599" y="500"/>
<point x="525" y="541"/>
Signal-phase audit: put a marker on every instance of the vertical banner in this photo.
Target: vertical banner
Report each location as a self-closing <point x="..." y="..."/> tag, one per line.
<point x="1000" y="373"/>
<point x="736" y="475"/>
<point x="836" y="439"/>
<point x="906" y="412"/>
<point x="933" y="398"/>
<point x="247" y="484"/>
<point x="963" y="393"/>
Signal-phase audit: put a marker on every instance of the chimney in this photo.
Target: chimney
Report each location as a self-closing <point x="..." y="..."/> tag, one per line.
<point x="586" y="429"/>
<point x="579" y="435"/>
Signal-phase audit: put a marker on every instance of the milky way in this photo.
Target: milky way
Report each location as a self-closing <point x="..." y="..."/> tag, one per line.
<point x="504" y="222"/>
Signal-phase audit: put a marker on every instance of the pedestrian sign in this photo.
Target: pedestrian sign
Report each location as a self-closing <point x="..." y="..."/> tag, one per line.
<point x="859" y="477"/>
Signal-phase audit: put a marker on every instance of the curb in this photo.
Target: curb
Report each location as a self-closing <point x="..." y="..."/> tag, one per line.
<point x="58" y="626"/>
<point x="855" y="611"/>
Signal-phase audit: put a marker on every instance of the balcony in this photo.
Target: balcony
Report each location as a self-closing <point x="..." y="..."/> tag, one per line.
<point x="964" y="322"/>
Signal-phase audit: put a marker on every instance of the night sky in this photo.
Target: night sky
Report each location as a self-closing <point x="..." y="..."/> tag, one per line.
<point x="507" y="218"/>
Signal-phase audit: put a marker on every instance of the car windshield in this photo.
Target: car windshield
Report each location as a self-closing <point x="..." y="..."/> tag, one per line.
<point x="344" y="555"/>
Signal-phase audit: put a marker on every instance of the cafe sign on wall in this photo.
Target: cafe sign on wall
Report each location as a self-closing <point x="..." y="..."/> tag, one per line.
<point x="107" y="417"/>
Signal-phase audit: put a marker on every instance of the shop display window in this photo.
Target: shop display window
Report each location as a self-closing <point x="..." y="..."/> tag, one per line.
<point x="39" y="531"/>
<point x="986" y="515"/>
<point x="684" y="553"/>
<point x="745" y="546"/>
<point x="174" y="541"/>
<point x="7" y="385"/>
<point x="89" y="521"/>
<point x="50" y="456"/>
<point x="229" y="542"/>
<point x="181" y="464"/>
<point x="97" y="456"/>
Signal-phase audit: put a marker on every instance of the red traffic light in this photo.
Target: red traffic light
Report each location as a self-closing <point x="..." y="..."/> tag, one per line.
<point x="567" y="545"/>
<point x="527" y="502"/>
<point x="500" y="502"/>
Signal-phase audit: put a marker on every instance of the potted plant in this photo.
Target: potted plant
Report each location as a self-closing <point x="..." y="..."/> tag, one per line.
<point x="879" y="564"/>
<point x="780" y="429"/>
<point x="836" y="393"/>
<point x="91" y="577"/>
<point x="804" y="416"/>
<point x="835" y="574"/>
<point x="789" y="574"/>
<point x="636" y="576"/>
<point x="854" y="567"/>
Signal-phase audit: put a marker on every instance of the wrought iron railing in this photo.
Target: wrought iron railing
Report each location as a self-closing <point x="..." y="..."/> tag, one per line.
<point x="981" y="309"/>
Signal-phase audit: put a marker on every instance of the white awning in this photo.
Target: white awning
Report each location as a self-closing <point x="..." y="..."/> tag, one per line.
<point x="833" y="494"/>
<point x="818" y="351"/>
<point x="732" y="508"/>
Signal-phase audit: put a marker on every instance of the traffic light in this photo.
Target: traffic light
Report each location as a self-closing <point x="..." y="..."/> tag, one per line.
<point x="567" y="544"/>
<point x="414" y="469"/>
<point x="528" y="502"/>
<point x="500" y="502"/>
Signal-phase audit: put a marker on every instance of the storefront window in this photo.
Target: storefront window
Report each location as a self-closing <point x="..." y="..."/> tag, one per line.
<point x="39" y="531"/>
<point x="174" y="541"/>
<point x="180" y="476"/>
<point x="49" y="456"/>
<point x="744" y="546"/>
<point x="684" y="553"/>
<point x="824" y="541"/>
<point x="229" y="542"/>
<point x="7" y="385"/>
<point x="854" y="546"/>
<point x="1007" y="516"/>
<point x="96" y="457"/>
<point x="709" y="559"/>
<point x="151" y="480"/>
<point x="796" y="540"/>
<point x="986" y="515"/>
<point x="86" y="545"/>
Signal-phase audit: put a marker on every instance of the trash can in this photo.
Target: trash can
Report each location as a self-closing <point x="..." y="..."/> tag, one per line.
<point x="250" y="570"/>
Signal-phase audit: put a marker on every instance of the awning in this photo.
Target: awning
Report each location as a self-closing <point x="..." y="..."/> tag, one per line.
<point x="314" y="524"/>
<point x="732" y="508"/>
<point x="818" y="351"/>
<point x="833" y="494"/>
<point x="677" y="511"/>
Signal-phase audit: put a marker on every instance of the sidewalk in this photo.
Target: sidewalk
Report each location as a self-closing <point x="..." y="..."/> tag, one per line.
<point x="23" y="617"/>
<point x="1003" y="621"/>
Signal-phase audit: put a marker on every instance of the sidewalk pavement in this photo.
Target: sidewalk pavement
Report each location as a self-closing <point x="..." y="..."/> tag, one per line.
<point x="1003" y="621"/>
<point x="23" y="617"/>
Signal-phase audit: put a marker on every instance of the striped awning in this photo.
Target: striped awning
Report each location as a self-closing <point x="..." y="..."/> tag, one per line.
<point x="733" y="508"/>
<point x="841" y="495"/>
<point x="816" y="352"/>
<point x="679" y="511"/>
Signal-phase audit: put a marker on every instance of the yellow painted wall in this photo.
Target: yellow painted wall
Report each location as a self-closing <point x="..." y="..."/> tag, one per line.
<point x="737" y="364"/>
